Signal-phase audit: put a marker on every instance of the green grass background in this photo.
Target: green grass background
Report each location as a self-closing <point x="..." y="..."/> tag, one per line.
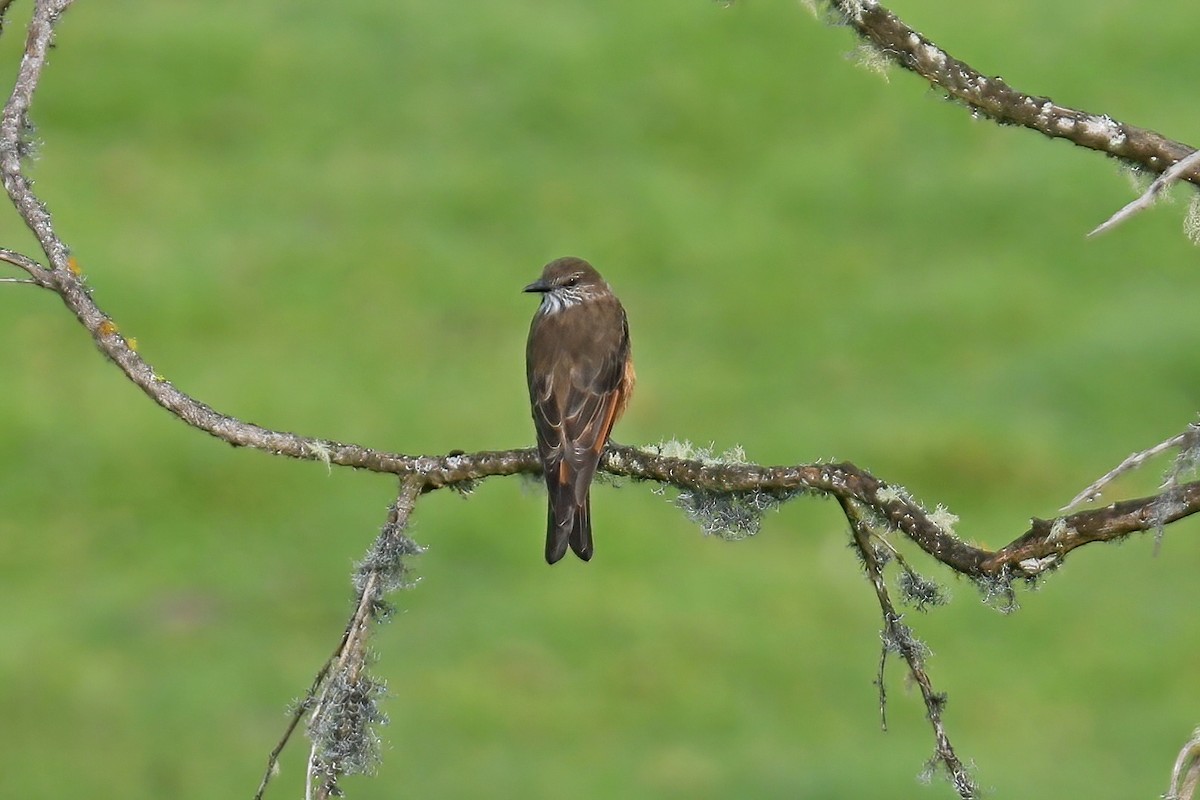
<point x="318" y="217"/>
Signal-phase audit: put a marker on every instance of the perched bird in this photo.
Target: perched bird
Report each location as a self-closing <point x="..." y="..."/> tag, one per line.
<point x="580" y="378"/>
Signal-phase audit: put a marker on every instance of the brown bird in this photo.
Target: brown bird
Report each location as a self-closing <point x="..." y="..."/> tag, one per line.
<point x="580" y="379"/>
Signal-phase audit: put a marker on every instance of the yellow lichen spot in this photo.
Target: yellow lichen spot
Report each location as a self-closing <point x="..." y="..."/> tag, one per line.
<point x="108" y="328"/>
<point x="73" y="266"/>
<point x="132" y="342"/>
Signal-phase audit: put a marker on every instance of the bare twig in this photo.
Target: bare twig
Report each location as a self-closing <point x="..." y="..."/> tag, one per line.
<point x="298" y="712"/>
<point x="38" y="275"/>
<point x="1131" y="463"/>
<point x="993" y="98"/>
<point x="1176" y="172"/>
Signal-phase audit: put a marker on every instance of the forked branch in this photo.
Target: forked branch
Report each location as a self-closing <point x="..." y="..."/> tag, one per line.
<point x="898" y="638"/>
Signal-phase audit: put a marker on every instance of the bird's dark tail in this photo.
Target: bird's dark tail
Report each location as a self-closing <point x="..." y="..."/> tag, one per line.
<point x="568" y="523"/>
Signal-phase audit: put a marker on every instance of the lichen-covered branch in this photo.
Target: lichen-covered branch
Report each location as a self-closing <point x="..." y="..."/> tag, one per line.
<point x="992" y="97"/>
<point x="1041" y="547"/>
<point x="15" y="127"/>
<point x="343" y="702"/>
<point x="898" y="638"/>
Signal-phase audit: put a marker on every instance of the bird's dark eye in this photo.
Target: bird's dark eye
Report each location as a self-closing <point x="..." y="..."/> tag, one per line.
<point x="571" y="281"/>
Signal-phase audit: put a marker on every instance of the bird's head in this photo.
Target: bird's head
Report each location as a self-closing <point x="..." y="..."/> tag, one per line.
<point x="566" y="282"/>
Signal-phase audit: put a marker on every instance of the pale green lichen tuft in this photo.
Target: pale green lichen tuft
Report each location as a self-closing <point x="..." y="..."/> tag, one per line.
<point x="729" y="515"/>
<point x="943" y="519"/>
<point x="1191" y="220"/>
<point x="918" y="591"/>
<point x="344" y="734"/>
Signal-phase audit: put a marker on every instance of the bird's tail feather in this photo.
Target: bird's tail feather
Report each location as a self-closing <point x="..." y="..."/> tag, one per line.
<point x="568" y="523"/>
<point x="581" y="531"/>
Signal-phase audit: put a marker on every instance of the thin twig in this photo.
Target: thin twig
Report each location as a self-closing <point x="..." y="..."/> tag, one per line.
<point x="303" y="707"/>
<point x="1131" y="463"/>
<point x="881" y="686"/>
<point x="38" y="275"/>
<point x="1176" y="172"/>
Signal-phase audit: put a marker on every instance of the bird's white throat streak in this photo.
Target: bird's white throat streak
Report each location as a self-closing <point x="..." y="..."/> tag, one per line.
<point x="557" y="300"/>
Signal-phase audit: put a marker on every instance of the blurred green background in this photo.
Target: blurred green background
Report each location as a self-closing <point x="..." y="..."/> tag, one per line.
<point x="318" y="217"/>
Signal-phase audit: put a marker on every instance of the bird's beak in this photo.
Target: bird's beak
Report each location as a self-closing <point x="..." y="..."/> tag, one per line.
<point x="537" y="286"/>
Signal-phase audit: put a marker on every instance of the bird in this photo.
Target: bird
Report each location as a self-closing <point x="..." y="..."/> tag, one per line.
<point x="580" y="374"/>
